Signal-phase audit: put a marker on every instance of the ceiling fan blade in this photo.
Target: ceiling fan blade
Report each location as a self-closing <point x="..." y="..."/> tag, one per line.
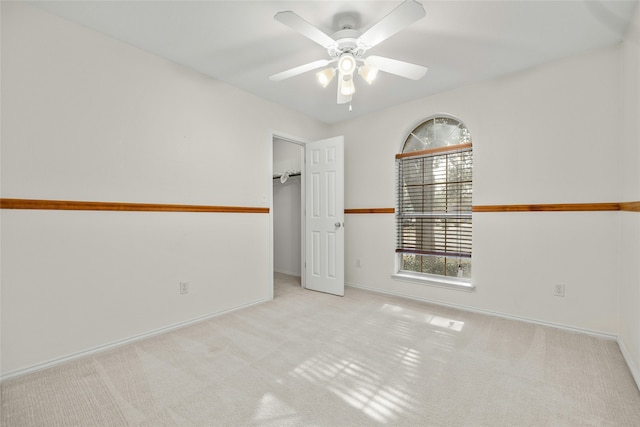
<point x="299" y="70"/>
<point x="342" y="99"/>
<point x="398" y="19"/>
<point x="399" y="68"/>
<point x="295" y="22"/>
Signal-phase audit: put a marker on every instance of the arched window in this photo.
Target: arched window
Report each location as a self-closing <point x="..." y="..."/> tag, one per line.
<point x="434" y="200"/>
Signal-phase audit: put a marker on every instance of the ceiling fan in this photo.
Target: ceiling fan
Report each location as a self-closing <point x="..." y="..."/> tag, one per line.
<point x="347" y="47"/>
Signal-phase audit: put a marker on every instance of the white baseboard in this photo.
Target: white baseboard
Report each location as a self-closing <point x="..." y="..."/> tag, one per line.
<point x="492" y="313"/>
<point x="118" y="343"/>
<point x="635" y="373"/>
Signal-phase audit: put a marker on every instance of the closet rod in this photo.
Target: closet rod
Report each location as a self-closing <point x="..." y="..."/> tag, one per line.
<point x="290" y="175"/>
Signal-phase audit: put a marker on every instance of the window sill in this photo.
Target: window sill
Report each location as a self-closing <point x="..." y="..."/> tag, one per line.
<point x="442" y="282"/>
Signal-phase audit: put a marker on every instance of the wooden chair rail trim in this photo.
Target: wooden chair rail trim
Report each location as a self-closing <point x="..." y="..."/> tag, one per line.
<point x="630" y="206"/>
<point x="370" y="211"/>
<point x="434" y="151"/>
<point x="550" y="207"/>
<point x="7" y="203"/>
<point x="68" y="205"/>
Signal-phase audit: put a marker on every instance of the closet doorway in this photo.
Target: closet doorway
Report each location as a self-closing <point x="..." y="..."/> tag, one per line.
<point x="288" y="208"/>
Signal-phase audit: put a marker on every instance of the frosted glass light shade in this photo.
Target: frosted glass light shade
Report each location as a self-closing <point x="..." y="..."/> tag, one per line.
<point x="348" y="88"/>
<point x="368" y="73"/>
<point x="325" y="76"/>
<point x="347" y="63"/>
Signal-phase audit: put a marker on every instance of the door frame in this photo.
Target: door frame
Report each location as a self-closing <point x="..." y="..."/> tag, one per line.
<point x="301" y="142"/>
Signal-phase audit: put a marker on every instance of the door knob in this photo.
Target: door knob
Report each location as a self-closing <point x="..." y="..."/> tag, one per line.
<point x="337" y="224"/>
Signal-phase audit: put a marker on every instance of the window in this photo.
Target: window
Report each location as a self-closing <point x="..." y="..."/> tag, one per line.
<point x="434" y="200"/>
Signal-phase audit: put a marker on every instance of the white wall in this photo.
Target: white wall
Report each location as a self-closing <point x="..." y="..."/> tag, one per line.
<point x="287" y="234"/>
<point x="85" y="117"/>
<point x="629" y="262"/>
<point x="287" y="156"/>
<point x="547" y="135"/>
<point x="287" y="207"/>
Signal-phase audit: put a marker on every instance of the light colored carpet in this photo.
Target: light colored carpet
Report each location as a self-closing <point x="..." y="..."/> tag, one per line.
<point x="309" y="359"/>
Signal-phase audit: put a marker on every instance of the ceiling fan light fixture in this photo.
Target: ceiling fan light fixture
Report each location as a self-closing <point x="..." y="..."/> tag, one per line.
<point x="347" y="48"/>
<point x="347" y="88"/>
<point x="368" y="73"/>
<point x="325" y="76"/>
<point x="347" y="63"/>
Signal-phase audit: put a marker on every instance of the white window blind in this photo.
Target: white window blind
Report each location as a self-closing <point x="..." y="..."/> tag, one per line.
<point x="433" y="215"/>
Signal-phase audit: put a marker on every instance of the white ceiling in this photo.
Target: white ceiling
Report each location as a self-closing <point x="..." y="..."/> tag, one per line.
<point x="461" y="42"/>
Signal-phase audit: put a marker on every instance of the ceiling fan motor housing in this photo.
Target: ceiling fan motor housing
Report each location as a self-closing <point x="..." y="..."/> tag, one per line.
<point x="346" y="42"/>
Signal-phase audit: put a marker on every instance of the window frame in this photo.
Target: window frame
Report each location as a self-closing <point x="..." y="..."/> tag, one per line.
<point x="456" y="283"/>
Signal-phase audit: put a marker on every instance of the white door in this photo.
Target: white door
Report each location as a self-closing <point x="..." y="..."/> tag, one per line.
<point x="324" y="217"/>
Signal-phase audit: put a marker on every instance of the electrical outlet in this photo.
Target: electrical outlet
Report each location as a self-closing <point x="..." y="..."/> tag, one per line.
<point x="184" y="287"/>
<point x="358" y="263"/>
<point x="558" y="290"/>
